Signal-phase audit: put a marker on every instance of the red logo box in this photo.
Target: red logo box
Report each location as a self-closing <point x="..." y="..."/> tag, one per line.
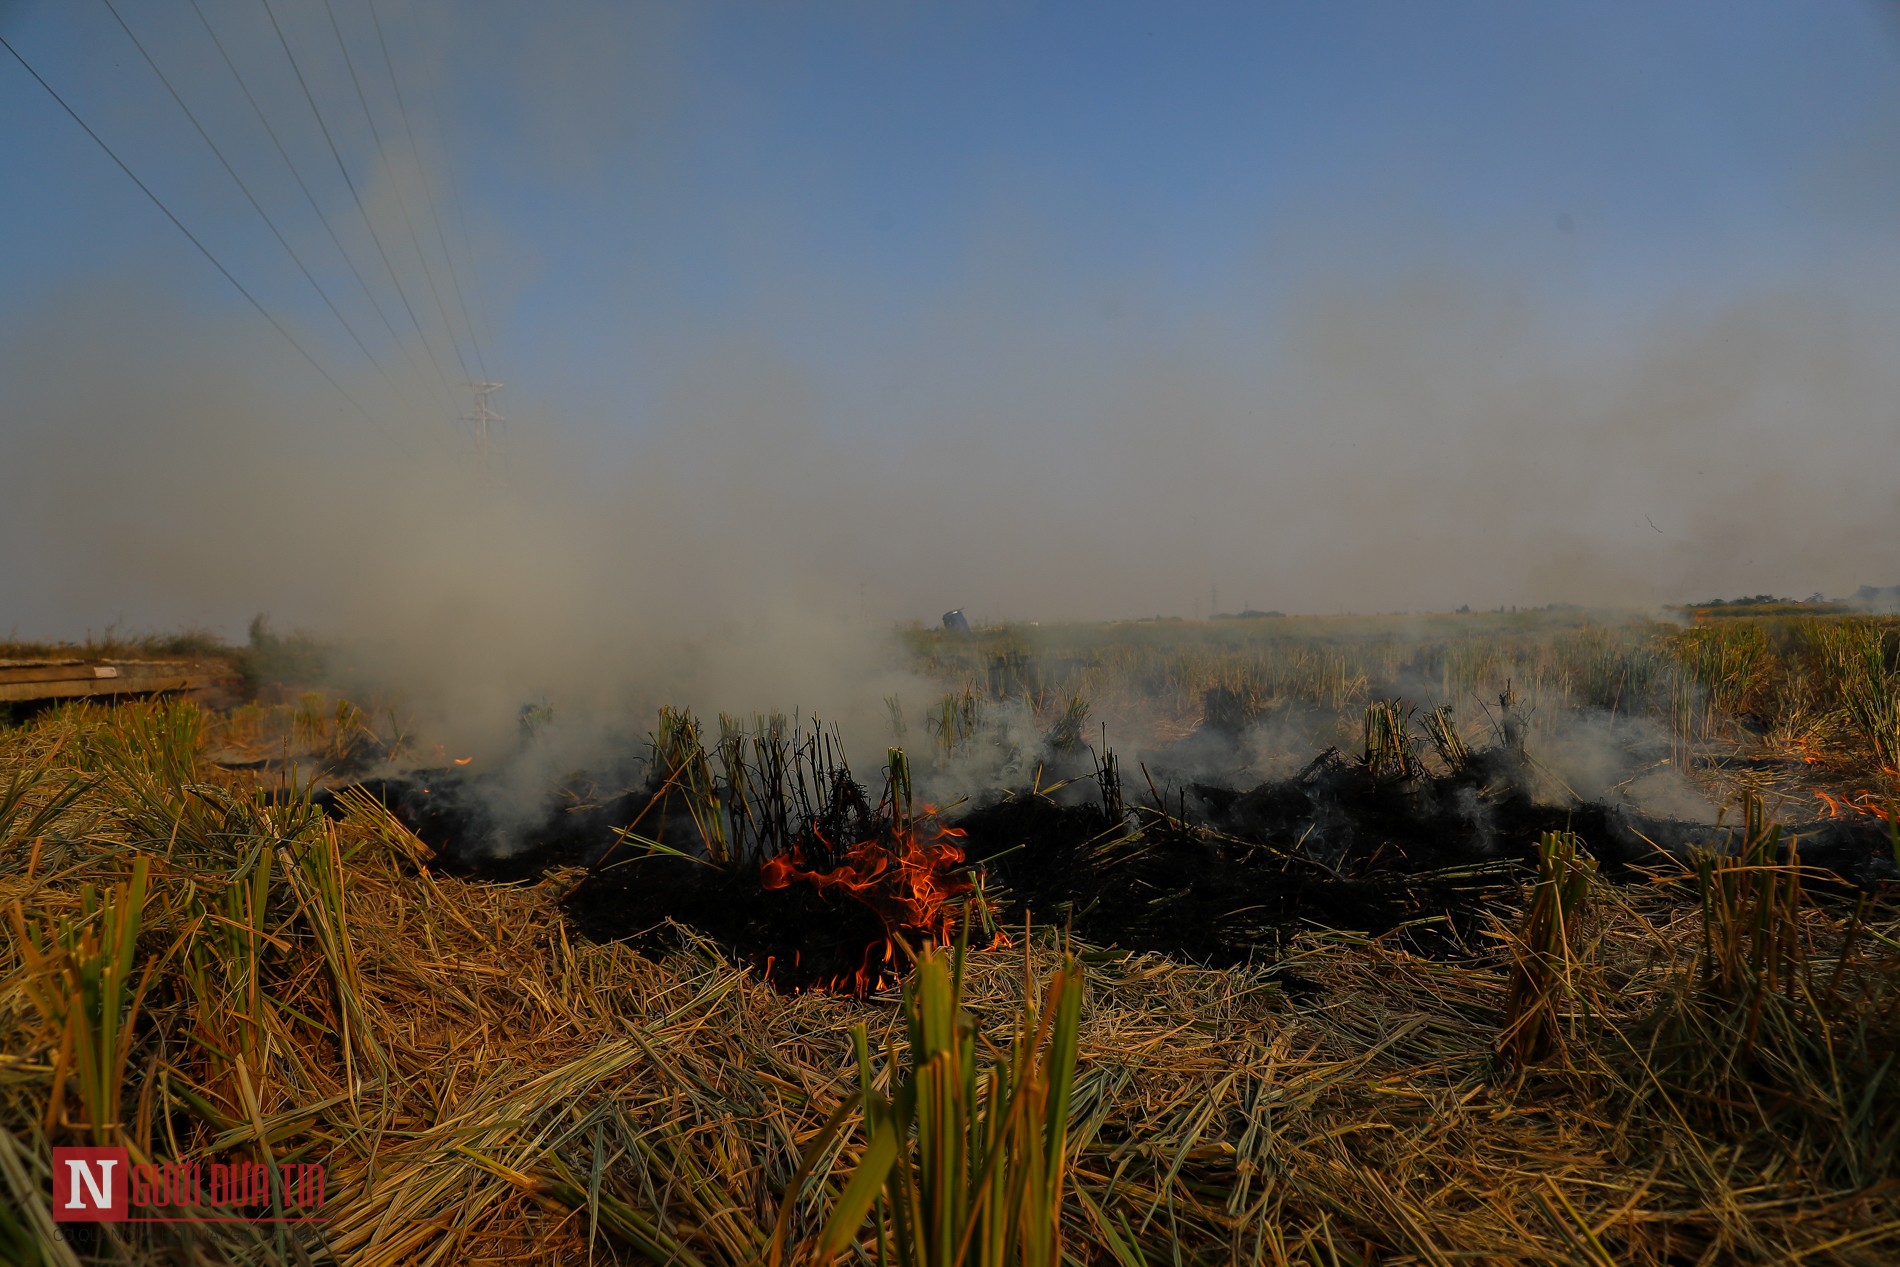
<point x="89" y="1185"/>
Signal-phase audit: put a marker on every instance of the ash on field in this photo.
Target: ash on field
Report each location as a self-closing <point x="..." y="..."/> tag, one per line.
<point x="771" y="847"/>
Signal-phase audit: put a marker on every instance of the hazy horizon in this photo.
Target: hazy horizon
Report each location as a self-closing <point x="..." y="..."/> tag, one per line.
<point x="830" y="319"/>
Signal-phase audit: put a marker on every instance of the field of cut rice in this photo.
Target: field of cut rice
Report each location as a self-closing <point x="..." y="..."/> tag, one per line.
<point x="1580" y="1043"/>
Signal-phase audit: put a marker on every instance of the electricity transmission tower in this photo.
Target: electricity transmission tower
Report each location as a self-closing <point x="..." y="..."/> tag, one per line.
<point x="484" y="429"/>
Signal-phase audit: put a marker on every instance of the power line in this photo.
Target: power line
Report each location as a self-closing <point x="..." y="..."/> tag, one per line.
<point x="245" y="189"/>
<point x="304" y="185"/>
<point x="461" y="220"/>
<point x="428" y="196"/>
<point x="395" y="184"/>
<point x="456" y="201"/>
<point x="193" y="239"/>
<point x="358" y="197"/>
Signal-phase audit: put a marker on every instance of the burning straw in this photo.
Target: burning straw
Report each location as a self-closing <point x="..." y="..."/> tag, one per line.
<point x="484" y="1085"/>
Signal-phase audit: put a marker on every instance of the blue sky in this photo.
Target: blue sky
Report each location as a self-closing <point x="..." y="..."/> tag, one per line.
<point x="919" y="230"/>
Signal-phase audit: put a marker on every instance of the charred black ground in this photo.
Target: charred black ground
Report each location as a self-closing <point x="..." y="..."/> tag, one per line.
<point x="1198" y="872"/>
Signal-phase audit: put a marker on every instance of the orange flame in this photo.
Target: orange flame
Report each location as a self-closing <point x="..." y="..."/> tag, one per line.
<point x="1808" y="751"/>
<point x="1861" y="804"/>
<point x="910" y="878"/>
<point x="463" y="760"/>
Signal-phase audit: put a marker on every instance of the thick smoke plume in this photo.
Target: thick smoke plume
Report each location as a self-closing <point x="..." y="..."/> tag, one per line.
<point x="743" y="557"/>
<point x="775" y="479"/>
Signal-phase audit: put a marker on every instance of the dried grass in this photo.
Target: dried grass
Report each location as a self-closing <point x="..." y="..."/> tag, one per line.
<point x="486" y="1089"/>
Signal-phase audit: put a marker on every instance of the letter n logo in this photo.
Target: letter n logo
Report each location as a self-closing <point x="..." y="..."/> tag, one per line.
<point x="89" y="1185"/>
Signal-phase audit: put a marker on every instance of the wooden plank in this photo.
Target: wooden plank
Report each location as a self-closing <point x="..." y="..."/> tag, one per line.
<point x="58" y="673"/>
<point x="126" y="677"/>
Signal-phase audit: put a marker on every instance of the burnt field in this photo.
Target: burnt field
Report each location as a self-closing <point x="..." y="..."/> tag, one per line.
<point x="1200" y="873"/>
<point x="1525" y="940"/>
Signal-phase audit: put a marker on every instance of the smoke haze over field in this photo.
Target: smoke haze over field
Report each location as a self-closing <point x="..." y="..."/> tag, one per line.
<point x="809" y="336"/>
